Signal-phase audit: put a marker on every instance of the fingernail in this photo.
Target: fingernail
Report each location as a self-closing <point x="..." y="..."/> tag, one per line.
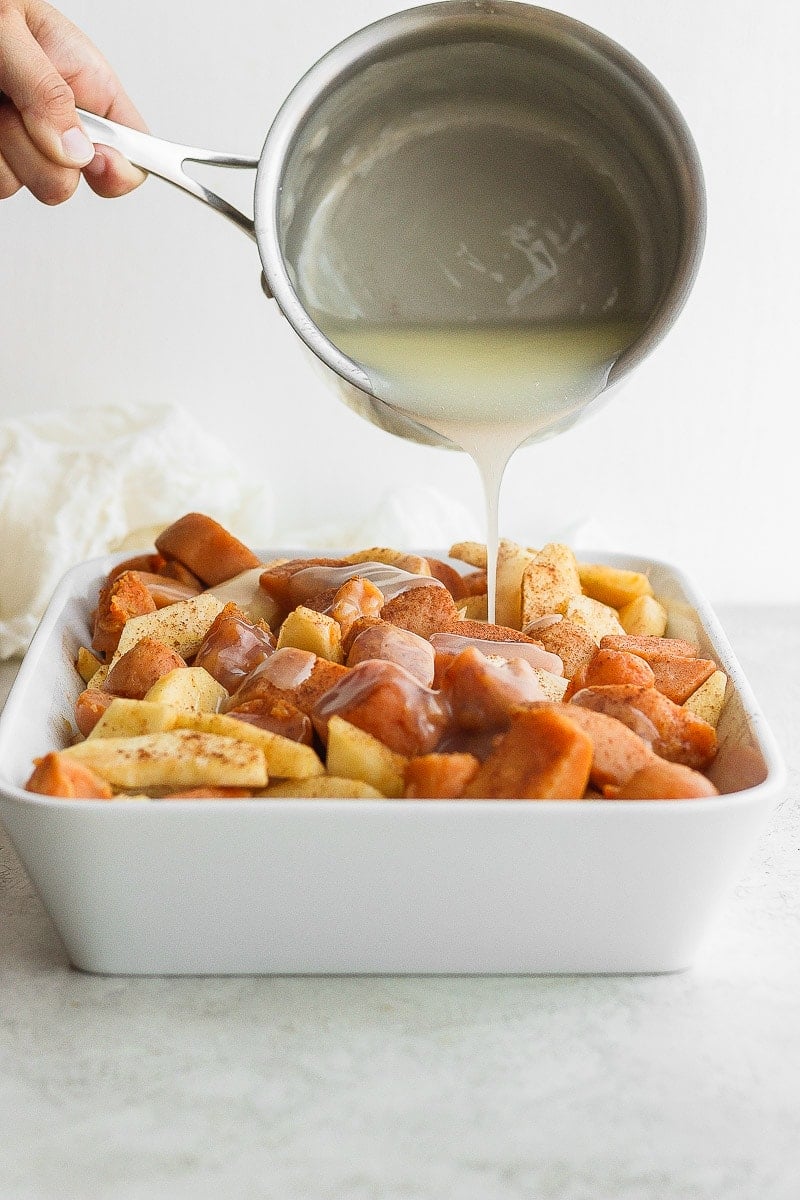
<point x="97" y="164"/>
<point x="77" y="146"/>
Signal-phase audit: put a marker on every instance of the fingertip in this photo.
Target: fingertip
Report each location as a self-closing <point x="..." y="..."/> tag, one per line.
<point x="110" y="175"/>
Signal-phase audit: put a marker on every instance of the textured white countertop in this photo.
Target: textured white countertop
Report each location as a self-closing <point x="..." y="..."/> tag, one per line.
<point x="609" y="1088"/>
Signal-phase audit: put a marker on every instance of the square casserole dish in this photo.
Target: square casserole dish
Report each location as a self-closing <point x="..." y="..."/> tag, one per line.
<point x="281" y="886"/>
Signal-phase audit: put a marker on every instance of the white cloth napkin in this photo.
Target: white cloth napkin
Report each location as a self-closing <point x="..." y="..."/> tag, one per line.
<point x="81" y="483"/>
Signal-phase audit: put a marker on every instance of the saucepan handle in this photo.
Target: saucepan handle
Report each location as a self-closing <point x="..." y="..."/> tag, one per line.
<point x="166" y="159"/>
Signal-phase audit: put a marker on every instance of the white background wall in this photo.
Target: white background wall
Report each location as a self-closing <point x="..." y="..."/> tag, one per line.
<point x="694" y="460"/>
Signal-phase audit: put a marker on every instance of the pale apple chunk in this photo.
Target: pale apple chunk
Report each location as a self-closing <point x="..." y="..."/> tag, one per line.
<point x="548" y="582"/>
<point x="323" y="787"/>
<point x="644" y="616"/>
<point x="188" y="688"/>
<point x="599" y="620"/>
<point x="553" y="686"/>
<point x="613" y="585"/>
<point x="513" y="562"/>
<point x="355" y="754"/>
<point x="306" y="629"/>
<point x="285" y="759"/>
<point x="87" y="664"/>
<point x="98" y="679"/>
<point x="709" y="699"/>
<point x="472" y="553"/>
<point x="180" y="626"/>
<point x="415" y="564"/>
<point x="131" y="718"/>
<point x="179" y="758"/>
<point x="474" y="608"/>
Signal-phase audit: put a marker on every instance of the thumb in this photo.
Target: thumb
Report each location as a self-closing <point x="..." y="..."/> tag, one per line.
<point x="43" y="99"/>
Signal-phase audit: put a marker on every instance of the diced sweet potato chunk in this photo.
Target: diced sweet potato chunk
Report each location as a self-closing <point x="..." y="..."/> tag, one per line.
<point x="680" y="736"/>
<point x="233" y="647"/>
<point x="206" y="548"/>
<point x="57" y="775"/>
<point x="485" y="631"/>
<point x="662" y="780"/>
<point x="646" y="646"/>
<point x="293" y="676"/>
<point x="612" y="666"/>
<point x="276" y="580"/>
<point x="543" y="756"/>
<point x="422" y="610"/>
<point x="482" y="694"/>
<point x="89" y="708"/>
<point x="166" y="591"/>
<point x="439" y="776"/>
<point x="678" y="678"/>
<point x="277" y="716"/>
<point x="135" y="672"/>
<point x="390" y="643"/>
<point x="452" y="579"/>
<point x="356" y="599"/>
<point x="388" y="702"/>
<point x="617" y="751"/>
<point x="151" y="563"/>
<point x="123" y="598"/>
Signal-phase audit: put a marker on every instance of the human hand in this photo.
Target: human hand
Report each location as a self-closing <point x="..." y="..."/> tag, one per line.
<point x="47" y="67"/>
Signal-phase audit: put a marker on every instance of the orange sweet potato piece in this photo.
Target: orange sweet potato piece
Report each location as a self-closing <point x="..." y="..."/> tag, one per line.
<point x="387" y="701"/>
<point x="678" y="678"/>
<point x="172" y="569"/>
<point x="611" y="666"/>
<point x="89" y="708"/>
<point x="473" y="583"/>
<point x="233" y="647"/>
<point x="206" y="548"/>
<point x="123" y="598"/>
<point x="58" y="775"/>
<point x="662" y="780"/>
<point x="543" y="756"/>
<point x="277" y="716"/>
<point x="390" y="643"/>
<point x="355" y="629"/>
<point x="164" y="590"/>
<point x="152" y="563"/>
<point x="485" y="631"/>
<point x="439" y="776"/>
<point x="482" y="695"/>
<point x="296" y="677"/>
<point x="423" y="610"/>
<point x="135" y="672"/>
<point x="617" y="753"/>
<point x="449" y="576"/>
<point x="277" y="580"/>
<point x="646" y="645"/>
<point x="678" y="735"/>
<point x="353" y="601"/>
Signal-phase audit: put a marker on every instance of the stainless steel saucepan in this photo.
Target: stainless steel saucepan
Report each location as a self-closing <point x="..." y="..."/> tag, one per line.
<point x="442" y="62"/>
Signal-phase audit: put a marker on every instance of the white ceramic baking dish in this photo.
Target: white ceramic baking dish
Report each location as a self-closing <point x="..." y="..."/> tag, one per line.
<point x="337" y="886"/>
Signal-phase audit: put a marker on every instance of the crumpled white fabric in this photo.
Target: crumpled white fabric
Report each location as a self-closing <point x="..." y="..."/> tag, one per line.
<point x="81" y="483"/>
